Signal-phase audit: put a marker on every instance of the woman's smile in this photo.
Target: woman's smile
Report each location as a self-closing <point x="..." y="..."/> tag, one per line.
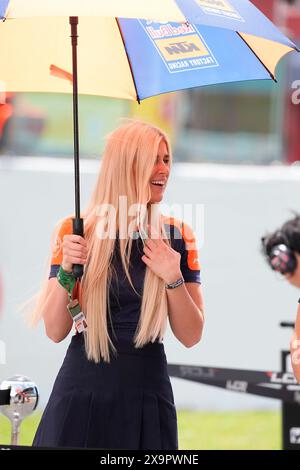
<point x="160" y="174"/>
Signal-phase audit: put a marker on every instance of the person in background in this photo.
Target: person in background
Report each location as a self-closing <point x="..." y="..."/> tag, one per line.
<point x="282" y="252"/>
<point x="6" y="114"/>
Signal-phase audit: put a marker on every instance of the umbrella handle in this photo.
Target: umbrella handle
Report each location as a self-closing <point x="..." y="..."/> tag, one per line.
<point x="78" y="230"/>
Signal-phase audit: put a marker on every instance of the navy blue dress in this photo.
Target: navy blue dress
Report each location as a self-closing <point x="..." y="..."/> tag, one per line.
<point x="129" y="402"/>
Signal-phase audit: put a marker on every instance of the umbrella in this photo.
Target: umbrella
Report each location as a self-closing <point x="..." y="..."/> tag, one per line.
<point x="133" y="50"/>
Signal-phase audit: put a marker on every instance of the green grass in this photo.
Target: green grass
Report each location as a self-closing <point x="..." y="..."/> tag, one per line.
<point x="251" y="430"/>
<point x="27" y="430"/>
<point x="198" y="430"/>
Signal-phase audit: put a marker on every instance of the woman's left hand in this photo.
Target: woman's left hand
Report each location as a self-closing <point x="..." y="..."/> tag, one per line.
<point x="160" y="258"/>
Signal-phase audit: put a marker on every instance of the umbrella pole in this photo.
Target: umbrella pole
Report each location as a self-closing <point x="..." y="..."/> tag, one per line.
<point x="77" y="221"/>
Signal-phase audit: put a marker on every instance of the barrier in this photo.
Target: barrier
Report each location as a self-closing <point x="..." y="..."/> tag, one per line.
<point x="280" y="385"/>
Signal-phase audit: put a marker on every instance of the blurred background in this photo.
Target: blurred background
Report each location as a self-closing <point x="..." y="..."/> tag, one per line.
<point x="252" y="122"/>
<point x="236" y="154"/>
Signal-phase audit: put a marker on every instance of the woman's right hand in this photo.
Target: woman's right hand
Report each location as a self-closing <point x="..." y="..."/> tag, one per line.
<point x="75" y="251"/>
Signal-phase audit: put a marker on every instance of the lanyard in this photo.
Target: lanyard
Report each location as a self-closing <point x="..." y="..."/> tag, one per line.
<point x="68" y="281"/>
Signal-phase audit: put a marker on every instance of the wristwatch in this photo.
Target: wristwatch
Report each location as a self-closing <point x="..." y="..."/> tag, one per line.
<point x="175" y="284"/>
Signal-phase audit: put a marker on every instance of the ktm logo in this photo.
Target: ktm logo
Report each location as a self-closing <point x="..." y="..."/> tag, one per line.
<point x="182" y="48"/>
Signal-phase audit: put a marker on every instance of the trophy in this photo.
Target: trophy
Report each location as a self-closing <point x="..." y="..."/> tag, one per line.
<point x="24" y="397"/>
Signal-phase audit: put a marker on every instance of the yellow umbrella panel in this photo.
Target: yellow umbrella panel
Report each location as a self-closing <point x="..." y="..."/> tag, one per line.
<point x="30" y="48"/>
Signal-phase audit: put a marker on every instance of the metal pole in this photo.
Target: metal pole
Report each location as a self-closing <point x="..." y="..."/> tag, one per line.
<point x="15" y="430"/>
<point x="77" y="222"/>
<point x="74" y="36"/>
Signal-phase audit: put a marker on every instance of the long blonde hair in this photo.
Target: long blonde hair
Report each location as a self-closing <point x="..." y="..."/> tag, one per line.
<point x="127" y="164"/>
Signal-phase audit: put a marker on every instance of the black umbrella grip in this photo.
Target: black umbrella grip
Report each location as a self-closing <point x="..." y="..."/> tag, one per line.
<point x="78" y="230"/>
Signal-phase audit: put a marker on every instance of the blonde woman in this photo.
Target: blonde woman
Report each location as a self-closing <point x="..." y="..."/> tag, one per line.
<point x="113" y="389"/>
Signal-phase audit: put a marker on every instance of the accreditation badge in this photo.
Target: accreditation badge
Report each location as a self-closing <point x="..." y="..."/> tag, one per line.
<point x="77" y="316"/>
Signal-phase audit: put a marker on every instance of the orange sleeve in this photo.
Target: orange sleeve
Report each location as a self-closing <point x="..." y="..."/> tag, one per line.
<point x="66" y="227"/>
<point x="191" y="247"/>
<point x="185" y="242"/>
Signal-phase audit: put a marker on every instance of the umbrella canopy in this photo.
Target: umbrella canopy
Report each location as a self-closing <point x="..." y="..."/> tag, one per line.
<point x="124" y="57"/>
<point x="132" y="49"/>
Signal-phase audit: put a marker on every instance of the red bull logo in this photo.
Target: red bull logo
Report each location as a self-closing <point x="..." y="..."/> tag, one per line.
<point x="220" y="8"/>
